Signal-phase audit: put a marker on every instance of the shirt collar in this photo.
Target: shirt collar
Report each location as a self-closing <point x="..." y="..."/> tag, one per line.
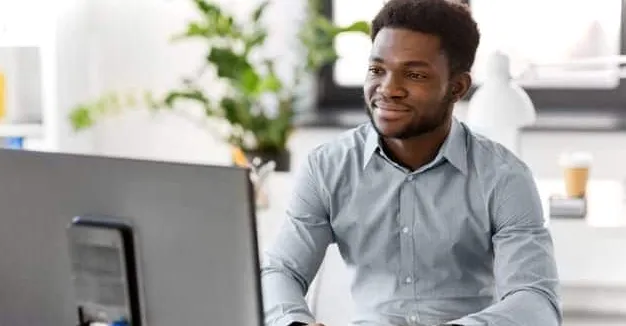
<point x="371" y="145"/>
<point x="454" y="148"/>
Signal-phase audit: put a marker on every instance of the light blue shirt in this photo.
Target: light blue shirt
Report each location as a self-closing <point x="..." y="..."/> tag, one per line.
<point x="461" y="240"/>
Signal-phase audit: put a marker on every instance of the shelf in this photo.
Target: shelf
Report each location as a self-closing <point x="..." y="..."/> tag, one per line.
<point x="21" y="130"/>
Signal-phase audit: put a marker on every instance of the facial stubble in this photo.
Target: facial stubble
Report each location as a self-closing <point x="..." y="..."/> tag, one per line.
<point x="418" y="128"/>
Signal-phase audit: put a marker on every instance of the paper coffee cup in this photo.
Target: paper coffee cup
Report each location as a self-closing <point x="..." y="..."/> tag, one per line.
<point x="576" y="166"/>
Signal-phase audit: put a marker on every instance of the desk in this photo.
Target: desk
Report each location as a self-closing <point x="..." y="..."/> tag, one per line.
<point x="606" y="202"/>
<point x="590" y="251"/>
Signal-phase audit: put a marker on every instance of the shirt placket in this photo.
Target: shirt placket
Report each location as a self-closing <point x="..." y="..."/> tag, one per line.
<point x="406" y="221"/>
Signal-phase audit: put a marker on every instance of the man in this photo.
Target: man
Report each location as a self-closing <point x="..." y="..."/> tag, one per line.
<point x="440" y="225"/>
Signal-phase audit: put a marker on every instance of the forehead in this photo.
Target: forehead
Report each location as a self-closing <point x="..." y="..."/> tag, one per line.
<point x="396" y="45"/>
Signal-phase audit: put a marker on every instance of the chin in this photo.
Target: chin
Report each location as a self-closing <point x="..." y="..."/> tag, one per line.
<point x="399" y="130"/>
<point x="389" y="129"/>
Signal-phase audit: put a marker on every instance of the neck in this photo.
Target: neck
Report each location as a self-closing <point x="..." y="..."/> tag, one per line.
<point x="420" y="150"/>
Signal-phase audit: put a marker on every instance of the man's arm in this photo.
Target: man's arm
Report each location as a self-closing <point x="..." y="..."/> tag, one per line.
<point x="291" y="263"/>
<point x="524" y="266"/>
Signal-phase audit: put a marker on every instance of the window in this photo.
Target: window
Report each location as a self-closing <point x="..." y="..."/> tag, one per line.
<point x="573" y="64"/>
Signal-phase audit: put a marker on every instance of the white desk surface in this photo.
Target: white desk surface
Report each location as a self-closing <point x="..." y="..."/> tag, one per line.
<point x="606" y="202"/>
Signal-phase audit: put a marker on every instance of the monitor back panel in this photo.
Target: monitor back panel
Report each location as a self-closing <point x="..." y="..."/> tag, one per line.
<point x="194" y="228"/>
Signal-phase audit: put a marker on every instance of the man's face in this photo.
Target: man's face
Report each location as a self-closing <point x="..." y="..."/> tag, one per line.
<point x="407" y="89"/>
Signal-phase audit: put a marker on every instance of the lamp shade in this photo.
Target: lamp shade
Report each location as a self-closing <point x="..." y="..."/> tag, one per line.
<point x="500" y="108"/>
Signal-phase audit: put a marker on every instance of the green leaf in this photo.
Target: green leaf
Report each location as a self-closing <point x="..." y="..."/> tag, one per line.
<point x="81" y="118"/>
<point x="236" y="112"/>
<point x="256" y="39"/>
<point x="359" y="26"/>
<point x="314" y="6"/>
<point x="236" y="67"/>
<point x="325" y="25"/>
<point x="230" y="110"/>
<point x="228" y="63"/>
<point x="194" y="29"/>
<point x="195" y="95"/>
<point x="225" y="26"/>
<point x="249" y="81"/>
<point x="216" y="23"/>
<point x="316" y="59"/>
<point x="270" y="83"/>
<point x="258" y="12"/>
<point x="208" y="8"/>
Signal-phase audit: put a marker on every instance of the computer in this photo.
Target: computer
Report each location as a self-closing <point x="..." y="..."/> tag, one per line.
<point x="175" y="242"/>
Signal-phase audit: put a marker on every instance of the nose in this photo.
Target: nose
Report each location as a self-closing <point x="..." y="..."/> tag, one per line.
<point x="391" y="87"/>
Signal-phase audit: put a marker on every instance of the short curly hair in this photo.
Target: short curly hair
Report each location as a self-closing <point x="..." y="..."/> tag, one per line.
<point x="450" y="20"/>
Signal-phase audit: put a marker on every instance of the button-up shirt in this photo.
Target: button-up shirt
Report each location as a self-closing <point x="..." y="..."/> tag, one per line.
<point x="461" y="240"/>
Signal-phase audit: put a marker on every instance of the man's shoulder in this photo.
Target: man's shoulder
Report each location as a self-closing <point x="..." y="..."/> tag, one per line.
<point x="497" y="168"/>
<point x="349" y="144"/>
<point x="489" y="157"/>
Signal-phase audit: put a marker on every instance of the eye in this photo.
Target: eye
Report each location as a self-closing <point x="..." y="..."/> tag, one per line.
<point x="375" y="71"/>
<point x="416" y="75"/>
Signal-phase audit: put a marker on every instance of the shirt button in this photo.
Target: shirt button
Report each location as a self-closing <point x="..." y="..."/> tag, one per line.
<point x="408" y="280"/>
<point x="405" y="230"/>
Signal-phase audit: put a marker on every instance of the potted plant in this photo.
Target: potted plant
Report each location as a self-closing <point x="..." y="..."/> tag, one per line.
<point x="256" y="104"/>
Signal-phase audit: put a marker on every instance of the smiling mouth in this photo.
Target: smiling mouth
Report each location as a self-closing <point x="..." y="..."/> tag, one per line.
<point x="390" y="113"/>
<point x="390" y="107"/>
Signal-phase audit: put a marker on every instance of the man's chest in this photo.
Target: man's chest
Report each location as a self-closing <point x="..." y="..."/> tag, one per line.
<point x="386" y="221"/>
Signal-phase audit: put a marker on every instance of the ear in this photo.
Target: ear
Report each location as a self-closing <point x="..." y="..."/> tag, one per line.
<point x="460" y="84"/>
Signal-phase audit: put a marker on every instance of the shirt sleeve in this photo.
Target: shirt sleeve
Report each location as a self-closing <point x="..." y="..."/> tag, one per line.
<point x="524" y="265"/>
<point x="292" y="261"/>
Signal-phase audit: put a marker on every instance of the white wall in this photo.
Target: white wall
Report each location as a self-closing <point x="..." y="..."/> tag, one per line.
<point x="73" y="72"/>
<point x="124" y="45"/>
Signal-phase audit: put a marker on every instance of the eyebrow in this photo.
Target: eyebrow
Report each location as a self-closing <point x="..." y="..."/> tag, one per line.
<point x="413" y="63"/>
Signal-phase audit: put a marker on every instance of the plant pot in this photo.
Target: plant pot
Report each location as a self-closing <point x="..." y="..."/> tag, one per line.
<point x="282" y="158"/>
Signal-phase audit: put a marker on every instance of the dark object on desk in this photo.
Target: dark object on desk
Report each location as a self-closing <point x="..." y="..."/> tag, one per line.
<point x="567" y="207"/>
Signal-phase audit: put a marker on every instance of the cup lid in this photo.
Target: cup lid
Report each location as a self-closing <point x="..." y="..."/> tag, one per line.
<point x="576" y="159"/>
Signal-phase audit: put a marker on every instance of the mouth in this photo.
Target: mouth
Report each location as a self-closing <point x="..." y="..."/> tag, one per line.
<point x="390" y="107"/>
<point x="387" y="111"/>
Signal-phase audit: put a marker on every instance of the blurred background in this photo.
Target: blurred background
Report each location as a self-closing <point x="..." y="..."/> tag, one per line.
<point x="221" y="82"/>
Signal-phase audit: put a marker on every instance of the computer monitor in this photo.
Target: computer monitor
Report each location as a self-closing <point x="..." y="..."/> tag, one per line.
<point x="194" y="232"/>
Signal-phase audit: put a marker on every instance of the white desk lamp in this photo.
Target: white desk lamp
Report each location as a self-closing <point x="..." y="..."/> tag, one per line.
<point x="500" y="108"/>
